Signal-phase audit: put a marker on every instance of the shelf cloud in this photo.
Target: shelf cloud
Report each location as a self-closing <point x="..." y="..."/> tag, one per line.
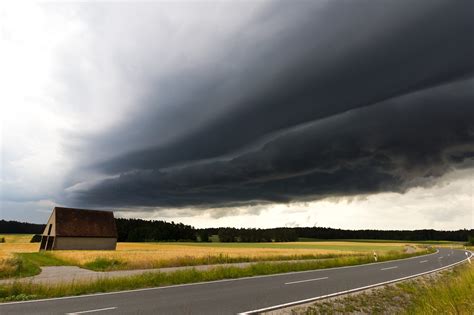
<point x="301" y="103"/>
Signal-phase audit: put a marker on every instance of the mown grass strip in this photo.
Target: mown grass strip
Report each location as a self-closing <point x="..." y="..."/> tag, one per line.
<point x="19" y="291"/>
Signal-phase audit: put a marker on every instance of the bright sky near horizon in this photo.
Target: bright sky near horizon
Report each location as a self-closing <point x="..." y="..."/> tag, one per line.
<point x="245" y="114"/>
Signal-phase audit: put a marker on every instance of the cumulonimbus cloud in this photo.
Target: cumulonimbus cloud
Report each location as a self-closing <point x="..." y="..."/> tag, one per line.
<point x="306" y="102"/>
<point x="390" y="146"/>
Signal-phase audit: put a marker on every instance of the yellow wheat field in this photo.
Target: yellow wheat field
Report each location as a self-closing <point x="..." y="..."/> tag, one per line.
<point x="19" y="243"/>
<point x="150" y="256"/>
<point x="153" y="255"/>
<point x="8" y="249"/>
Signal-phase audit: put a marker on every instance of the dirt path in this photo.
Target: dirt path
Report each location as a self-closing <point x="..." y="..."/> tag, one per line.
<point x="410" y="249"/>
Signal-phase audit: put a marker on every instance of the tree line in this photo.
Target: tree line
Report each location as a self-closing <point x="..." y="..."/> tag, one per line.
<point x="295" y="233"/>
<point x="137" y="230"/>
<point x="403" y="235"/>
<point x="15" y="227"/>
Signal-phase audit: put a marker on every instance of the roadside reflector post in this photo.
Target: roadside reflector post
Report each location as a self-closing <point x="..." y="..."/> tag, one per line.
<point x="375" y="256"/>
<point x="468" y="257"/>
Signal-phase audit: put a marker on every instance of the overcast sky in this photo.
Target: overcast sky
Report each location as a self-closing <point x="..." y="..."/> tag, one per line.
<point x="348" y="114"/>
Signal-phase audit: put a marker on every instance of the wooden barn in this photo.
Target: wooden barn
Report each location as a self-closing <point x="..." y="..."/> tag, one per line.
<point x="69" y="228"/>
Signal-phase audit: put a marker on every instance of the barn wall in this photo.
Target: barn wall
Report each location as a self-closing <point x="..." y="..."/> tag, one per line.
<point x="107" y="243"/>
<point x="52" y="221"/>
<point x="47" y="240"/>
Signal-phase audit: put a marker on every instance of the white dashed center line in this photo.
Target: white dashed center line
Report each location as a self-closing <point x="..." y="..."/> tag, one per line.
<point x="294" y="282"/>
<point x="388" y="268"/>
<point x="93" y="311"/>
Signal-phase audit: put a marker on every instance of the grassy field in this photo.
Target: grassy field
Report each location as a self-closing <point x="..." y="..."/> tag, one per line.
<point x="156" y="255"/>
<point x="17" y="258"/>
<point x="455" y="243"/>
<point x="448" y="292"/>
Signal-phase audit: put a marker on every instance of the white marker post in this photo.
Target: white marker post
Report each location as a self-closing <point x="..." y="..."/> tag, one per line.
<point x="375" y="256"/>
<point x="468" y="257"/>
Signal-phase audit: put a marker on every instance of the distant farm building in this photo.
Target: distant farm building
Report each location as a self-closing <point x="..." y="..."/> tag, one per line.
<point x="69" y="228"/>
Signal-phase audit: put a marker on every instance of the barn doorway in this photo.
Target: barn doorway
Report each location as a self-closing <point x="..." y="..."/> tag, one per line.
<point x="48" y="240"/>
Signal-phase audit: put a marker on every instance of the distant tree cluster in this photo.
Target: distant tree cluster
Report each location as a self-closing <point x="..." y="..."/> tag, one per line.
<point x="136" y="230"/>
<point x="15" y="227"/>
<point x="227" y="235"/>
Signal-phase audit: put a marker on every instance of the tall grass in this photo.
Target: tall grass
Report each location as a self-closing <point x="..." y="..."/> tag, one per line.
<point x="28" y="290"/>
<point x="17" y="267"/>
<point x="27" y="264"/>
<point x="453" y="293"/>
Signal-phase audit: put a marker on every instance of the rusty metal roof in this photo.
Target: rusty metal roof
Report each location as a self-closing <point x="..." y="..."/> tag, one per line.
<point x="84" y="223"/>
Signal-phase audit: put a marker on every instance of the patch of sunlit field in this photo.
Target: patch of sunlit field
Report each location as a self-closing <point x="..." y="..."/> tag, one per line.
<point x="155" y="255"/>
<point x="16" y="238"/>
<point x="16" y="243"/>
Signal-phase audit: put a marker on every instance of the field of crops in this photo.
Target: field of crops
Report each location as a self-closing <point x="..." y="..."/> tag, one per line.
<point x="16" y="243"/>
<point x="154" y="255"/>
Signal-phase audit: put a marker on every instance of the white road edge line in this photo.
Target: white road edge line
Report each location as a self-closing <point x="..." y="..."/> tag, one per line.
<point x="316" y="279"/>
<point x="209" y="282"/>
<point x="423" y="261"/>
<point x="270" y="308"/>
<point x="93" y="311"/>
<point x="388" y="268"/>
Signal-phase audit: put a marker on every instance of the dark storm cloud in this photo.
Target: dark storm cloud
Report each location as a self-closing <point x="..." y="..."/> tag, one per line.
<point x="351" y="97"/>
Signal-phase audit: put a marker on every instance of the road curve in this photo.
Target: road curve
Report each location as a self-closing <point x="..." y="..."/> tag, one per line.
<point x="245" y="295"/>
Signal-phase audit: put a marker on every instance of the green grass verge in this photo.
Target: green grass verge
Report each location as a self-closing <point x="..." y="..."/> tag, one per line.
<point x="107" y="264"/>
<point x="28" y="264"/>
<point x="27" y="290"/>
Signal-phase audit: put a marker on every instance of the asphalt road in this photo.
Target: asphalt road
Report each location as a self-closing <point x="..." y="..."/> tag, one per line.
<point x="245" y="295"/>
